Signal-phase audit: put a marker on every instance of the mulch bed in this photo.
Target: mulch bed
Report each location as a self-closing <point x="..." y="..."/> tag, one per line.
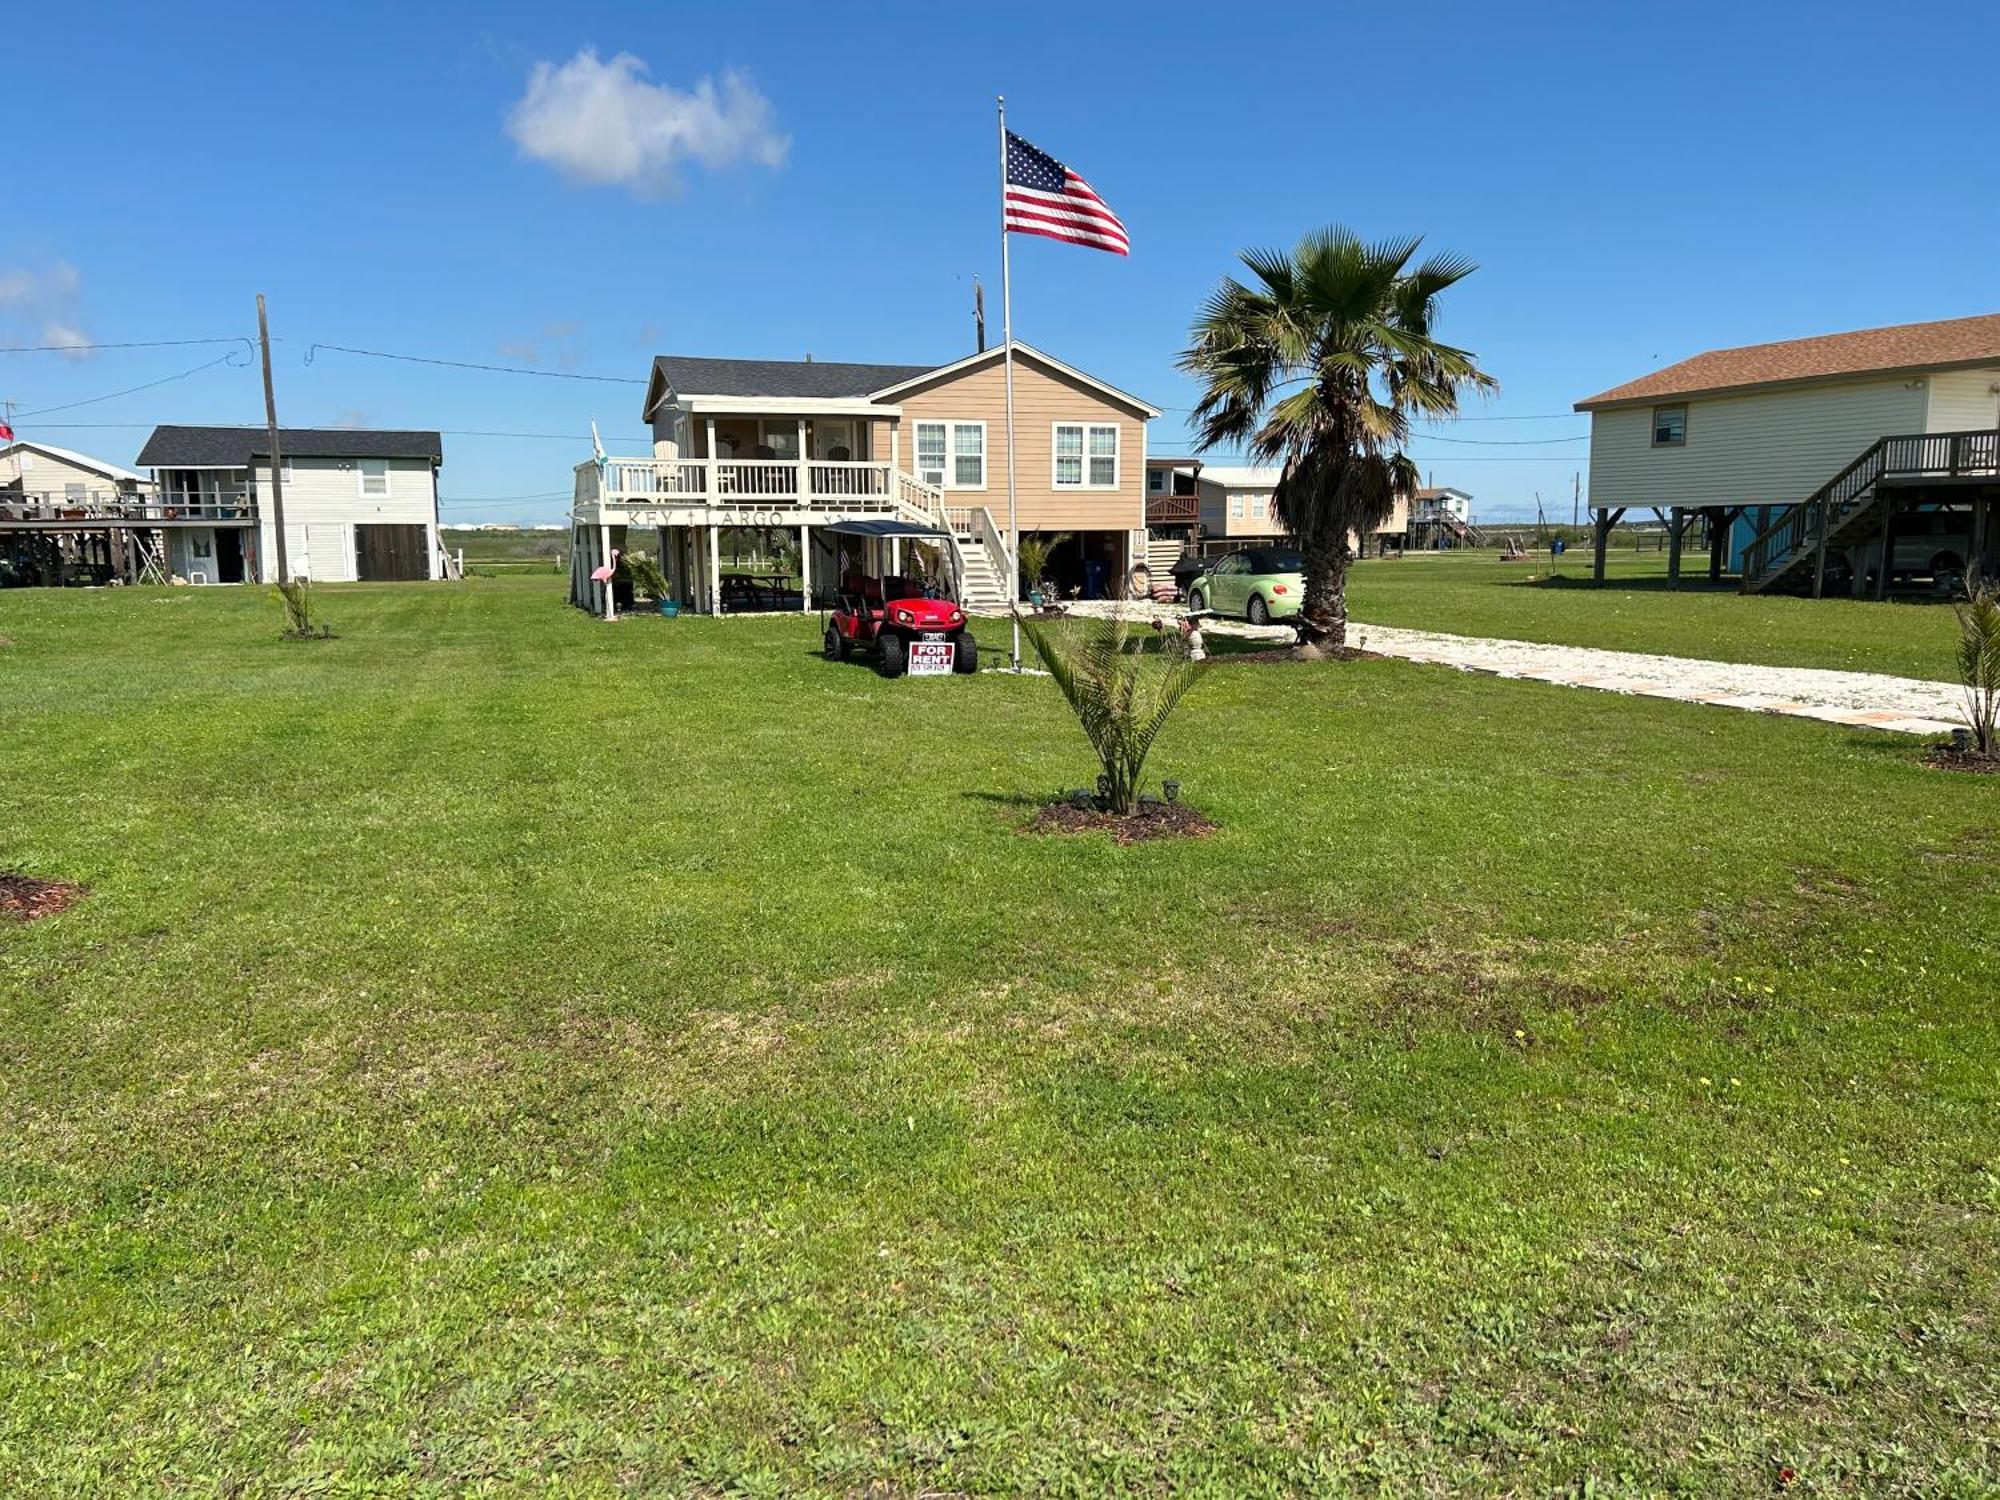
<point x="1945" y="758"/>
<point x="1168" y="820"/>
<point x="25" y="898"/>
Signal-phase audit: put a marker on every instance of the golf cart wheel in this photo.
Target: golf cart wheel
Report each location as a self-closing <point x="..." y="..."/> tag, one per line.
<point x="966" y="657"/>
<point x="1946" y="563"/>
<point x="1258" y="613"/>
<point x="1197" y="602"/>
<point x="836" y="645"/>
<point x="894" y="659"/>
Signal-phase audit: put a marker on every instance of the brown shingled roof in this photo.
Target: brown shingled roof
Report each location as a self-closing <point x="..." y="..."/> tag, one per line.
<point x="1908" y="346"/>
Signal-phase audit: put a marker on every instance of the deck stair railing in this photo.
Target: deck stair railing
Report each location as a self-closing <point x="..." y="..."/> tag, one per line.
<point x="1803" y="534"/>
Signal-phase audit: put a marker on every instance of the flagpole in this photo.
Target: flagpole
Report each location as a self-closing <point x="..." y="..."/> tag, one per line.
<point x="1007" y="360"/>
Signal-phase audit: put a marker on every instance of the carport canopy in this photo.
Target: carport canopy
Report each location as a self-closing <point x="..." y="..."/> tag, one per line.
<point x="881" y="528"/>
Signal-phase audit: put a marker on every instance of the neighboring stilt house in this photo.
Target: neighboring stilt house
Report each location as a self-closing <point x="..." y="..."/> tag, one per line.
<point x="52" y="504"/>
<point x="1848" y="463"/>
<point x="766" y="453"/>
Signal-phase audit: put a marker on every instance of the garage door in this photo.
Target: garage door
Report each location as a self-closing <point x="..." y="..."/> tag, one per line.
<point x="390" y="554"/>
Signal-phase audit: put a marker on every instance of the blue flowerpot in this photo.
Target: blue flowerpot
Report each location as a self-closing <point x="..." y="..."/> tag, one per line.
<point x="670" y="608"/>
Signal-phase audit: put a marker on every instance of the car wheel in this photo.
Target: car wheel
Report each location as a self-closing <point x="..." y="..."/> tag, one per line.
<point x="966" y="657"/>
<point x="1197" y="601"/>
<point x="836" y="644"/>
<point x="1259" y="613"/>
<point x="893" y="660"/>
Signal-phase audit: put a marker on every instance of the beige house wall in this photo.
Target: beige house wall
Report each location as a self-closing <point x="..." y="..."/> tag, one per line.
<point x="1042" y="398"/>
<point x="27" y="472"/>
<point x="1961" y="400"/>
<point x="1769" y="447"/>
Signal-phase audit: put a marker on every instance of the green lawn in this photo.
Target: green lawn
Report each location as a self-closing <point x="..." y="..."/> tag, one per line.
<point x="1477" y="594"/>
<point x="504" y="1052"/>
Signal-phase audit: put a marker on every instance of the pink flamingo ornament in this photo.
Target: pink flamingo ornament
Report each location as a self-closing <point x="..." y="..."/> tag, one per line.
<point x="603" y="574"/>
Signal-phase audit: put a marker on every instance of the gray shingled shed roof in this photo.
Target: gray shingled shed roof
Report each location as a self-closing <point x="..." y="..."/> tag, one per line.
<point x="235" y="447"/>
<point x="809" y="378"/>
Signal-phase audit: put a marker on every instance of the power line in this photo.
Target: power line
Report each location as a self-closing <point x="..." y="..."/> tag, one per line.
<point x="142" y="344"/>
<point x="1431" y="437"/>
<point x="463" y="364"/>
<point x="227" y="359"/>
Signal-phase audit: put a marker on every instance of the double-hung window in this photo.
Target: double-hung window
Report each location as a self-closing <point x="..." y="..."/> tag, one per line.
<point x="1086" y="456"/>
<point x="1670" y="426"/>
<point x="374" y="477"/>
<point x="952" y="455"/>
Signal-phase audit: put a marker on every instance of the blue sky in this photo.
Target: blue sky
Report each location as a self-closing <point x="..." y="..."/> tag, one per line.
<point x="1637" y="184"/>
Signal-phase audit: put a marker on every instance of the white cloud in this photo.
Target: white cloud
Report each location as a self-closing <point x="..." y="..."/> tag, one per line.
<point x="72" y="340"/>
<point x="38" y="307"/>
<point x="606" y="124"/>
<point x="21" y="287"/>
<point x="558" y="344"/>
<point x="353" y="417"/>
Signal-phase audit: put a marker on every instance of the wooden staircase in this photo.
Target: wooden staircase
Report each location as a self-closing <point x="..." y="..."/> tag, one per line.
<point x="1792" y="552"/>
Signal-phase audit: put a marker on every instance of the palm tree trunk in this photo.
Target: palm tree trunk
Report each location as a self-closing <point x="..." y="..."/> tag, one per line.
<point x="1336" y="631"/>
<point x="1322" y="611"/>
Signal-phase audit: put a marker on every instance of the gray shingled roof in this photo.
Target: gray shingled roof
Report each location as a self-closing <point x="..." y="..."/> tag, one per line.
<point x="810" y="378"/>
<point x="235" y="447"/>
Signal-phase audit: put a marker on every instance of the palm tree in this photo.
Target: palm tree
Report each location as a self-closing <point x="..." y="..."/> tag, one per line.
<point x="1121" y="683"/>
<point x="1349" y="325"/>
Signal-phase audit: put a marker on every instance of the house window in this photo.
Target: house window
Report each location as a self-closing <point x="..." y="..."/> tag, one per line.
<point x="952" y="455"/>
<point x="1156" y="481"/>
<point x="1235" y="507"/>
<point x="968" y="456"/>
<point x="374" y="476"/>
<point x="1259" y="505"/>
<point x="930" y="453"/>
<point x="1086" y="455"/>
<point x="1670" y="426"/>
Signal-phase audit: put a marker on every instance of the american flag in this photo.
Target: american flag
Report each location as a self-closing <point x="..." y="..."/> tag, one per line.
<point x="1045" y="197"/>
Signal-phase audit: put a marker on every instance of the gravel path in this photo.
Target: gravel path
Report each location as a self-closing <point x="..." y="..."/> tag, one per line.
<point x="1866" y="700"/>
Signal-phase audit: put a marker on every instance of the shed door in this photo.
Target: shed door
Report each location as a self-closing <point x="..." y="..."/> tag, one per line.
<point x="390" y="554"/>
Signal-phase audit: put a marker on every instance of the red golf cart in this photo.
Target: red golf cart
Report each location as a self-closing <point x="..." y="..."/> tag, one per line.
<point x="893" y="616"/>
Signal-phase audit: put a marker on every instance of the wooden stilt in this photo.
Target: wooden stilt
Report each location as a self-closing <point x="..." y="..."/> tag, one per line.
<point x="1676" y="524"/>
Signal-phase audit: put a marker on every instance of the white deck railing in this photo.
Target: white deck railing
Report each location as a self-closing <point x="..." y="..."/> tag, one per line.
<point x="762" y="482"/>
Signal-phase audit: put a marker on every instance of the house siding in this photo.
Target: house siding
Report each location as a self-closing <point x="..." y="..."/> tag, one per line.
<point x="1961" y="400"/>
<point x="1761" y="447"/>
<point x="324" y="503"/>
<point x="1042" y="397"/>
<point x="40" y="474"/>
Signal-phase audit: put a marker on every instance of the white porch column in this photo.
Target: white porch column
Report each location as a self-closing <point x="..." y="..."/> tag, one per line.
<point x="895" y="445"/>
<point x="715" y="569"/>
<point x="604" y="546"/>
<point x="805" y="570"/>
<point x="896" y="555"/>
<point x="711" y="480"/>
<point x="805" y="471"/>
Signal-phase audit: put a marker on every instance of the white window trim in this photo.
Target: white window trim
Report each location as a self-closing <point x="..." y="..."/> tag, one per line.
<point x="361" y="479"/>
<point x="1117" y="456"/>
<point x="950" y="426"/>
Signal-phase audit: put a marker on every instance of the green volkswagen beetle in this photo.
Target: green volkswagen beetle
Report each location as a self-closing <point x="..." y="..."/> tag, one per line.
<point x="1261" y="584"/>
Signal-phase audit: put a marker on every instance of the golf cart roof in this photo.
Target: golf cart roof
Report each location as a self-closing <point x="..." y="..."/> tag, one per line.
<point x="881" y="528"/>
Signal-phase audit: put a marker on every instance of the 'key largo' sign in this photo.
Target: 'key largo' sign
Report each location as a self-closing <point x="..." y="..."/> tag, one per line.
<point x="703" y="515"/>
<point x="932" y="658"/>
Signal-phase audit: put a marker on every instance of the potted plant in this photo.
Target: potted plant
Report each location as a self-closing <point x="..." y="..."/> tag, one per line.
<point x="647" y="582"/>
<point x="1034" y="559"/>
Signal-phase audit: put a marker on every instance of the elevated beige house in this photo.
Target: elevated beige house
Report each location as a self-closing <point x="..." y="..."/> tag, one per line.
<point x="1236" y="511"/>
<point x="787" y="447"/>
<point x="42" y="477"/>
<point x="48" y="497"/>
<point x="1843" y="456"/>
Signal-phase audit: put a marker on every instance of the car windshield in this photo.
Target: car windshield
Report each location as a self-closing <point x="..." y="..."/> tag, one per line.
<point x="1277" y="560"/>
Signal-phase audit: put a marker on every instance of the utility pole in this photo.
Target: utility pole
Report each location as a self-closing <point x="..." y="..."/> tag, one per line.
<point x="979" y="312"/>
<point x="1576" y="500"/>
<point x="271" y="428"/>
